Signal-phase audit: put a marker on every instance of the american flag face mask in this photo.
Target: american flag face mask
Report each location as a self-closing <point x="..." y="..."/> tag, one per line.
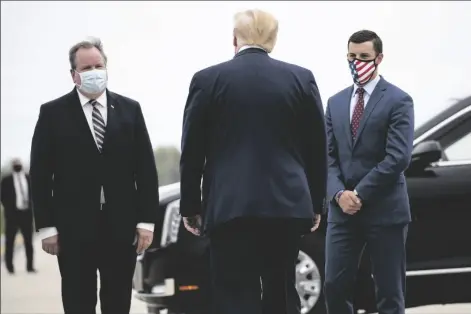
<point x="362" y="70"/>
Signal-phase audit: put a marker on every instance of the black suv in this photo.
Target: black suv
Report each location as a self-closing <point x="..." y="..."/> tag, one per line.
<point x="174" y="273"/>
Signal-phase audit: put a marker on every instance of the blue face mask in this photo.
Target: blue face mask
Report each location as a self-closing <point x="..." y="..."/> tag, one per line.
<point x="93" y="81"/>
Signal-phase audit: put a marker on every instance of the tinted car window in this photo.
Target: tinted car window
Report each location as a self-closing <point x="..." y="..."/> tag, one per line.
<point x="460" y="150"/>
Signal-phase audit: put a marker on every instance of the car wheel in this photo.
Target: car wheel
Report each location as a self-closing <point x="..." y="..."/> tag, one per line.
<point x="310" y="275"/>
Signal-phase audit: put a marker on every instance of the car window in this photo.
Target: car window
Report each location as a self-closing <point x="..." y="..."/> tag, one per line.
<point x="460" y="150"/>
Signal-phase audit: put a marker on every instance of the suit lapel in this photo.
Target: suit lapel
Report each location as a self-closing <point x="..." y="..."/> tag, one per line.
<point x="375" y="98"/>
<point x="112" y="122"/>
<point x="346" y="116"/>
<point x="78" y="116"/>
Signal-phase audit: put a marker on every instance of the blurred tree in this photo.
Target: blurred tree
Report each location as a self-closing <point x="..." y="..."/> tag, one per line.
<point x="167" y="159"/>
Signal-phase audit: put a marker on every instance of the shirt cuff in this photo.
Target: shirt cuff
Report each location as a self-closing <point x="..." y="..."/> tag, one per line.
<point x="337" y="195"/>
<point x="47" y="232"/>
<point x="146" y="225"/>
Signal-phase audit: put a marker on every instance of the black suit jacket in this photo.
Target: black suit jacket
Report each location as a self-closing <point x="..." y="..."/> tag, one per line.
<point x="9" y="194"/>
<point x="67" y="170"/>
<point x="253" y="128"/>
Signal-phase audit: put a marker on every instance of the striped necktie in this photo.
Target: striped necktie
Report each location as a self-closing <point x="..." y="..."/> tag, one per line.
<point x="98" y="124"/>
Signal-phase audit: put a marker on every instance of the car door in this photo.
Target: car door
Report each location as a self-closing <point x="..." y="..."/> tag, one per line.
<point x="440" y="198"/>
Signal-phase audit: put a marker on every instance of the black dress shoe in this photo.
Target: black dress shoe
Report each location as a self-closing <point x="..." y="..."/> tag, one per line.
<point x="11" y="271"/>
<point x="32" y="271"/>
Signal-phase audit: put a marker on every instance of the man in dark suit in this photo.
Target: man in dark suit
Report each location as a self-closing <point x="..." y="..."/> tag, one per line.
<point x="254" y="130"/>
<point x="94" y="185"/>
<point x="370" y="128"/>
<point x="16" y="201"/>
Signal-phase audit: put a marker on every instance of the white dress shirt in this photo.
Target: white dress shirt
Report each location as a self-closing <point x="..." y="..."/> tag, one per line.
<point x="102" y="105"/>
<point x="369" y="88"/>
<point x="248" y="47"/>
<point x="21" y="190"/>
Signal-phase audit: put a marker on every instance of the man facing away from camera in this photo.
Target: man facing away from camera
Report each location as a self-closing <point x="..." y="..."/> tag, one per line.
<point x="370" y="128"/>
<point x="94" y="184"/>
<point x="253" y="129"/>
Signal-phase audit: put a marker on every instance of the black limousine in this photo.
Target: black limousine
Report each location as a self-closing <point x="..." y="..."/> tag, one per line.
<point x="173" y="273"/>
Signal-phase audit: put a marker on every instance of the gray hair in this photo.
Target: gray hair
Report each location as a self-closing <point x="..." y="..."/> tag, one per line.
<point x="87" y="44"/>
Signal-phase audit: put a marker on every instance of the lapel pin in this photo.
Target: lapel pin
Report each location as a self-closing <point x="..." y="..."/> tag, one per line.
<point x="112" y="106"/>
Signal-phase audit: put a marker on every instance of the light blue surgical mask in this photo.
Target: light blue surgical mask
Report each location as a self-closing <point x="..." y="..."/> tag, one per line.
<point x="93" y="81"/>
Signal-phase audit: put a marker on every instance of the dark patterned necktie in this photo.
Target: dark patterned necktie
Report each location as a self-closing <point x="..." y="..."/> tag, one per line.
<point x="98" y="125"/>
<point x="358" y="112"/>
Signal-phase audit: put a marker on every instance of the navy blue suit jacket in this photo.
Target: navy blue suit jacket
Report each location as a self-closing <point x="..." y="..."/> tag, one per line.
<point x="254" y="129"/>
<point x="375" y="162"/>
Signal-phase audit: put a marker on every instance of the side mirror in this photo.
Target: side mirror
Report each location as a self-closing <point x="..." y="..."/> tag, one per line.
<point x="426" y="152"/>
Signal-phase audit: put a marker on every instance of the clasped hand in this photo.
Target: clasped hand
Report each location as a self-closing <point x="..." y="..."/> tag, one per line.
<point x="193" y="224"/>
<point x="349" y="202"/>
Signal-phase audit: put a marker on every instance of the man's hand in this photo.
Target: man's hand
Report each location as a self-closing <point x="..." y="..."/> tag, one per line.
<point x="349" y="202"/>
<point x="193" y="224"/>
<point x="51" y="245"/>
<point x="317" y="221"/>
<point x="144" y="239"/>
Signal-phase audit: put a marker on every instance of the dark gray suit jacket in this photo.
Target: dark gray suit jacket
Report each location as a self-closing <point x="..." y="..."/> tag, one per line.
<point x="375" y="162"/>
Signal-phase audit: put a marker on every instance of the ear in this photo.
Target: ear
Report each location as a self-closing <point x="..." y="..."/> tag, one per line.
<point x="75" y="77"/>
<point x="234" y="41"/>
<point x="379" y="59"/>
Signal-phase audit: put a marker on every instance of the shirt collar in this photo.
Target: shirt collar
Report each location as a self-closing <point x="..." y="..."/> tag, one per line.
<point x="369" y="87"/>
<point x="250" y="46"/>
<point x="102" y="100"/>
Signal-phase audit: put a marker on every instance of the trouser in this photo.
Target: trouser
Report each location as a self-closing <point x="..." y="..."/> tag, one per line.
<point x="79" y="261"/>
<point x="253" y="267"/>
<point x="344" y="247"/>
<point x="19" y="220"/>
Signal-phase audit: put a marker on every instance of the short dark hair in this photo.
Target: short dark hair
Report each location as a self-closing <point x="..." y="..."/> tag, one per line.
<point x="366" y="35"/>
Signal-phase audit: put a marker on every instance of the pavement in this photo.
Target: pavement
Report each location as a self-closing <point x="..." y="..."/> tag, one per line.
<point x="40" y="293"/>
<point x="18" y="241"/>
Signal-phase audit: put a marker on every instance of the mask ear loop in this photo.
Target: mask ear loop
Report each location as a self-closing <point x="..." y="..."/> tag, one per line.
<point x="81" y="79"/>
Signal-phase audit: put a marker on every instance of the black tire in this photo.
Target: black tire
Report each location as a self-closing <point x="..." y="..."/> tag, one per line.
<point x="313" y="245"/>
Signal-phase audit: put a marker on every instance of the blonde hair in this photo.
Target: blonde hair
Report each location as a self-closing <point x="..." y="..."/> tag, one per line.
<point x="257" y="28"/>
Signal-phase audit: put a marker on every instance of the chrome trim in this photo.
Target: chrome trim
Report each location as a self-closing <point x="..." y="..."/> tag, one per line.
<point x="431" y="272"/>
<point x="137" y="280"/>
<point x="167" y="289"/>
<point x="450" y="163"/>
<point x="171" y="224"/>
<point x="442" y="124"/>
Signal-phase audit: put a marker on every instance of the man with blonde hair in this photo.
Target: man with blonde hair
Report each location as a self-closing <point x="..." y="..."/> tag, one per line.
<point x="253" y="129"/>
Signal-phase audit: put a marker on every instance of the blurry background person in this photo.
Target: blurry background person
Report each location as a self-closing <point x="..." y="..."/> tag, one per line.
<point x="94" y="185"/>
<point x="254" y="130"/>
<point x="16" y="201"/>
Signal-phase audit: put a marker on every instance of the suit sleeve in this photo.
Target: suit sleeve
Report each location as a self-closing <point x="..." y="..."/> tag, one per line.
<point x="146" y="173"/>
<point x="42" y="171"/>
<point x="2" y="192"/>
<point x="193" y="155"/>
<point x="335" y="182"/>
<point x="315" y="147"/>
<point x="398" y="151"/>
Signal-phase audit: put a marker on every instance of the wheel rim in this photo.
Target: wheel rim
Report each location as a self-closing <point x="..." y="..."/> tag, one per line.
<point x="308" y="282"/>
